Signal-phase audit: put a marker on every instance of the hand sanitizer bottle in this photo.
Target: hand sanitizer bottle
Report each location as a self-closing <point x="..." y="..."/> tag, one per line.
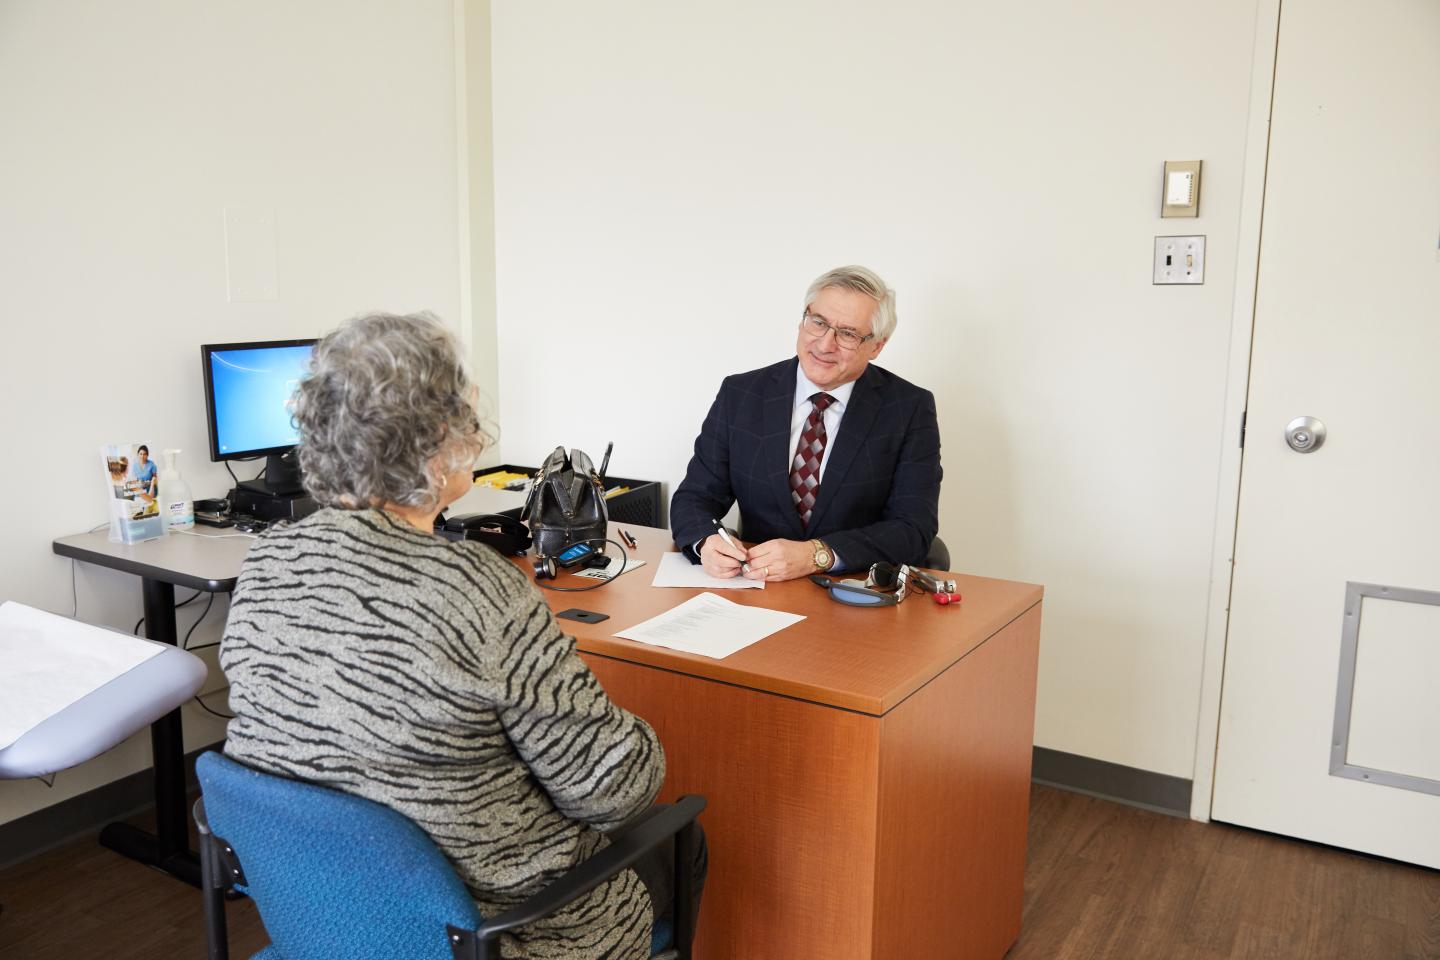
<point x="179" y="507"/>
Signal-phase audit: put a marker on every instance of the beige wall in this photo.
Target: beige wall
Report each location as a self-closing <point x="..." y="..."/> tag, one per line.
<point x="665" y="183"/>
<point x="669" y="178"/>
<point x="473" y="18"/>
<point x="128" y="128"/>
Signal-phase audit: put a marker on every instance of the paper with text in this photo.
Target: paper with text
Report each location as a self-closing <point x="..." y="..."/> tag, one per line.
<point x="710" y="626"/>
<point x="609" y="571"/>
<point x="676" y="570"/>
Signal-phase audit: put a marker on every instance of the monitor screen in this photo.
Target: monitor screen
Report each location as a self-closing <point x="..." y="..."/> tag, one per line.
<point x="248" y="387"/>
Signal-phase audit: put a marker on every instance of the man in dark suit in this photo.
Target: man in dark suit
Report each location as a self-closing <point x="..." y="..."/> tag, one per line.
<point x="835" y="462"/>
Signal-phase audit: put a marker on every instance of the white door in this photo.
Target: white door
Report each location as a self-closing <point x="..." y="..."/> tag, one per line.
<point x="1330" y="708"/>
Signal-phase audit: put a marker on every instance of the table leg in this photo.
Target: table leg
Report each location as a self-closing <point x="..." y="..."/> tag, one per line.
<point x="169" y="847"/>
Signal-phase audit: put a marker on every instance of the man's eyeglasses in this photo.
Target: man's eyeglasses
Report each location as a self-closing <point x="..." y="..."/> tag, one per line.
<point x="817" y="326"/>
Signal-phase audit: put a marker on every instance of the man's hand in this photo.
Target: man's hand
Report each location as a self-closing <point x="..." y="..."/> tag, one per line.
<point x="719" y="559"/>
<point x="782" y="560"/>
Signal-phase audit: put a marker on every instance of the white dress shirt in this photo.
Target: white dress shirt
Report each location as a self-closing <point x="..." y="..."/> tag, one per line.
<point x="804" y="390"/>
<point x="800" y="412"/>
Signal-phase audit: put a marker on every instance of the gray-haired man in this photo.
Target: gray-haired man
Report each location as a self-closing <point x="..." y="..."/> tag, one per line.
<point x="834" y="461"/>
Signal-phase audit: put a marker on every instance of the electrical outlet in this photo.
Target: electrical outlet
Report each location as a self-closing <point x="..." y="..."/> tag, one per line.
<point x="1179" y="260"/>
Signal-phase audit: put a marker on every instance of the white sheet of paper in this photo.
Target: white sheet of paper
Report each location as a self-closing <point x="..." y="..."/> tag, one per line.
<point x="603" y="573"/>
<point x="676" y="570"/>
<point x="47" y="662"/>
<point x="710" y="626"/>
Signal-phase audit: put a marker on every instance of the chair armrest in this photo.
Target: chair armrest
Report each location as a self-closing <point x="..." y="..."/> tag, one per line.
<point x="623" y="852"/>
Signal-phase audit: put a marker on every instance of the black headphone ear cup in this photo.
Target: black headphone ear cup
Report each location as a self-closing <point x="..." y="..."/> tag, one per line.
<point x="544" y="568"/>
<point x="883" y="575"/>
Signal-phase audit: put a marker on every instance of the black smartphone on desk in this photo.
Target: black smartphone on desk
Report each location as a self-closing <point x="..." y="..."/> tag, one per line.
<point x="582" y="616"/>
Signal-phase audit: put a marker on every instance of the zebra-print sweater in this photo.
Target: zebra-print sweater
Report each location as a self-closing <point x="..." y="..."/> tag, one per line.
<point x="429" y="675"/>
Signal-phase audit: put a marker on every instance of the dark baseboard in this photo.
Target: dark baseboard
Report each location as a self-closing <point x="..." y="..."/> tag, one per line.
<point x="1111" y="781"/>
<point x="86" y="813"/>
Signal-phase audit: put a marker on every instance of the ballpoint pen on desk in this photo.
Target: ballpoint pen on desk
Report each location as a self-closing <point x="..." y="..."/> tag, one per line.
<point x="725" y="535"/>
<point x="629" y="538"/>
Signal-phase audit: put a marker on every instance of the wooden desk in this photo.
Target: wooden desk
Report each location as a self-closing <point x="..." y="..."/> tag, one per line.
<point x="867" y="770"/>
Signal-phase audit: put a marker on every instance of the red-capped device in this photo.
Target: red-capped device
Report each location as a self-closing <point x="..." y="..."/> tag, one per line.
<point x="944" y="598"/>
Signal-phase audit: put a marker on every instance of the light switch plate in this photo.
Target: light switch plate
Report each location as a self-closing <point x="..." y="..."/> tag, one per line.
<point x="1179" y="260"/>
<point x="1180" y="189"/>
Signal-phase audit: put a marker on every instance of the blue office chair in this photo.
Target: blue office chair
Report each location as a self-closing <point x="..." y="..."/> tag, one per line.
<point x="335" y="875"/>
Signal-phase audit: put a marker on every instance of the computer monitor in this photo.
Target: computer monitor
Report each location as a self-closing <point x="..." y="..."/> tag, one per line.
<point x="248" y="388"/>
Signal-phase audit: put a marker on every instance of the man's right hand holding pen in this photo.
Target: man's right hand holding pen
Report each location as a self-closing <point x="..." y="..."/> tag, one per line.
<point x="721" y="555"/>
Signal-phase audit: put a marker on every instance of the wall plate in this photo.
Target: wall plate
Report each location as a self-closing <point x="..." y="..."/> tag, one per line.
<point x="1179" y="260"/>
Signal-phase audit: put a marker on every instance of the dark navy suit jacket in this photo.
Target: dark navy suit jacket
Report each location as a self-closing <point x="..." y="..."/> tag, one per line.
<point x="880" y="494"/>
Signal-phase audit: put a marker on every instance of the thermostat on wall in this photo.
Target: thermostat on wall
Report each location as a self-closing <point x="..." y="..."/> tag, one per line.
<point x="1181" y="193"/>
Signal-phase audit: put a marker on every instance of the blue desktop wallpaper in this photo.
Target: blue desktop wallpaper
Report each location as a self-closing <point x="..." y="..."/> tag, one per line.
<point x="252" y="396"/>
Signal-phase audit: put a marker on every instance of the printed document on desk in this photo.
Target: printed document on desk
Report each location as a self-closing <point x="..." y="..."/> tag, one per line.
<point x="710" y="626"/>
<point x="676" y="570"/>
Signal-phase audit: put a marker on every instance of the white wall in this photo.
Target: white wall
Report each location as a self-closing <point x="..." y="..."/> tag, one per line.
<point x="479" y="232"/>
<point x="128" y="128"/>
<point x="669" y="178"/>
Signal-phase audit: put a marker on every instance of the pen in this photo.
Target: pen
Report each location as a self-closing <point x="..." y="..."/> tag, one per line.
<point x="725" y="535"/>
<point x="630" y="539"/>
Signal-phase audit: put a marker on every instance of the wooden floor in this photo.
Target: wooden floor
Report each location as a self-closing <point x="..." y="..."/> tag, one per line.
<point x="1104" y="881"/>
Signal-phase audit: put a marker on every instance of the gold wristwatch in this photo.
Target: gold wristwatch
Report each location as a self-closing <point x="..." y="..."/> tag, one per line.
<point x="824" y="559"/>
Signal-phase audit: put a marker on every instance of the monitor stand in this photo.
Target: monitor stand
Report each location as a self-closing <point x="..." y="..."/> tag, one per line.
<point x="278" y="495"/>
<point x="282" y="477"/>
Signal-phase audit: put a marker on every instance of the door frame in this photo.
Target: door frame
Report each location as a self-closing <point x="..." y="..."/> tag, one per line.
<point x="1237" y="388"/>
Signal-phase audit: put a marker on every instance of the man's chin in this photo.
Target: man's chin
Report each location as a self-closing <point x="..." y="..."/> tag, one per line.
<point x="819" y="372"/>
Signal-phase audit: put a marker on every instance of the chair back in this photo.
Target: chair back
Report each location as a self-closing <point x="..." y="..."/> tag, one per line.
<point x="333" y="875"/>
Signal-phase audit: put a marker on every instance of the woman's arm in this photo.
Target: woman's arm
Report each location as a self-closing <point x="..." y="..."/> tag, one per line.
<point x="599" y="764"/>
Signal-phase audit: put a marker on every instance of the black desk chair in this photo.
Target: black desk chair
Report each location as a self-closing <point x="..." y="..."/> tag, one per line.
<point x="335" y="875"/>
<point x="939" y="556"/>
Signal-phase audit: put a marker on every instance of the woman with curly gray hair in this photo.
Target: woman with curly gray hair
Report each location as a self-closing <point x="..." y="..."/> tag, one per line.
<point x="370" y="655"/>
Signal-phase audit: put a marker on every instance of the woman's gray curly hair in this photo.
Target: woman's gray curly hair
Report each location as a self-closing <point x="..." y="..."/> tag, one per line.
<point x="386" y="413"/>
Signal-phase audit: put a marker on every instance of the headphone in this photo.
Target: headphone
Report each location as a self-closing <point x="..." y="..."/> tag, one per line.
<point x="885" y="586"/>
<point x="546" y="568"/>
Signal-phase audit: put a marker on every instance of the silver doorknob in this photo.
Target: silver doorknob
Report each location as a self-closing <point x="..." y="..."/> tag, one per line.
<point x="1305" y="434"/>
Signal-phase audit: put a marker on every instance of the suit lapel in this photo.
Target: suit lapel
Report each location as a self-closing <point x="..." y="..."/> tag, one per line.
<point x="776" y="453"/>
<point x="855" y="426"/>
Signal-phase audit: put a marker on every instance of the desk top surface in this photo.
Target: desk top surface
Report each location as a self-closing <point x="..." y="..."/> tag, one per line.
<point x="205" y="558"/>
<point x="854" y="658"/>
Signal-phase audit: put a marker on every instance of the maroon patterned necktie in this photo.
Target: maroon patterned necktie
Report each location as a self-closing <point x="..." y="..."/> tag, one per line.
<point x="809" y="453"/>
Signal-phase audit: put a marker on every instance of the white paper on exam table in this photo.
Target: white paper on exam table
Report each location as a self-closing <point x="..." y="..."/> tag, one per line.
<point x="676" y="570"/>
<point x="710" y="626"/>
<point x="52" y="661"/>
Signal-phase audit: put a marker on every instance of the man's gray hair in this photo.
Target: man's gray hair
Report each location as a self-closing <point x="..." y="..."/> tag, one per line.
<point x="385" y="413"/>
<point x="865" y="281"/>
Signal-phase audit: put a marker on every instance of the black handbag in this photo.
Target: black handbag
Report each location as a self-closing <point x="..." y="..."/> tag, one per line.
<point x="566" y="504"/>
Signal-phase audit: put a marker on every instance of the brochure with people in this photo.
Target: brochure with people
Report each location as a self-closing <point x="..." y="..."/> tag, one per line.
<point x="132" y="484"/>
